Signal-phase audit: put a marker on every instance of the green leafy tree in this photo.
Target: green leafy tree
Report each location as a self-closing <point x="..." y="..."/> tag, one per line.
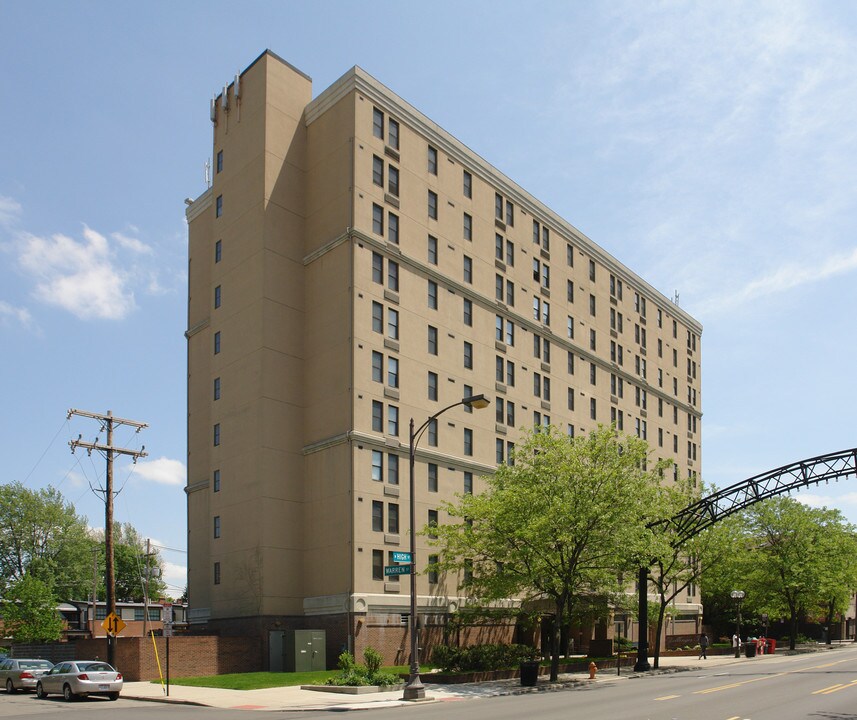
<point x="129" y="561"/>
<point x="559" y="524"/>
<point x="41" y="535"/>
<point x="792" y="560"/>
<point x="675" y="566"/>
<point x="30" y="611"/>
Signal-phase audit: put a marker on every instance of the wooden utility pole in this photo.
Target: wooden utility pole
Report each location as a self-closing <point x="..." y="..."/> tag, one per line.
<point x="108" y="422"/>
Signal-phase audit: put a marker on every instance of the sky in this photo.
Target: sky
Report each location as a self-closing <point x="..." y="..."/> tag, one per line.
<point x="710" y="147"/>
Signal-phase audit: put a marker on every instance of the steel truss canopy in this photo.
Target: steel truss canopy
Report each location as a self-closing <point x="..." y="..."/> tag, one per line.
<point x="723" y="503"/>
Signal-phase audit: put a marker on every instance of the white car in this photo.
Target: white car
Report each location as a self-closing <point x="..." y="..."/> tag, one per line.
<point x="19" y="674"/>
<point x="80" y="678"/>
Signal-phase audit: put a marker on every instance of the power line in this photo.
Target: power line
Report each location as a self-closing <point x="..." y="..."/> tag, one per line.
<point x="42" y="457"/>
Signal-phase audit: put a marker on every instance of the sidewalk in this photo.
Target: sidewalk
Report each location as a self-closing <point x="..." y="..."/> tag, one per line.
<point x="296" y="699"/>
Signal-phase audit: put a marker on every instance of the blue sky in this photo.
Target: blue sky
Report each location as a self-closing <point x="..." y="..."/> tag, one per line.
<point x="711" y="147"/>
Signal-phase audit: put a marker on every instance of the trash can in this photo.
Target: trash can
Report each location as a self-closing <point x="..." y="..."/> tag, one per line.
<point x="750" y="648"/>
<point x="529" y="673"/>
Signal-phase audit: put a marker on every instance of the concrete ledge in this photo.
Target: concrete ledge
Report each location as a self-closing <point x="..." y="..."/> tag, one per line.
<point x="354" y="689"/>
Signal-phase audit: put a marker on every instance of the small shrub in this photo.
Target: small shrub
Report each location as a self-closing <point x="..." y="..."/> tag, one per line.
<point x="372" y="660"/>
<point x="482" y="657"/>
<point x="346" y="662"/>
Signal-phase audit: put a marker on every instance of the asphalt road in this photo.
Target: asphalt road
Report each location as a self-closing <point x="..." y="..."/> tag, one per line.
<point x="818" y="686"/>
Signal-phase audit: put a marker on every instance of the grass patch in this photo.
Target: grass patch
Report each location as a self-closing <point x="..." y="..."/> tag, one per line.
<point x="261" y="680"/>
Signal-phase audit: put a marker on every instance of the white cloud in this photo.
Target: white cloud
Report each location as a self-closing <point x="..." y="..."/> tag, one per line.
<point x="132" y="244"/>
<point x="162" y="471"/>
<point x="175" y="576"/>
<point x="10" y="314"/>
<point x="10" y="210"/>
<point x="83" y="277"/>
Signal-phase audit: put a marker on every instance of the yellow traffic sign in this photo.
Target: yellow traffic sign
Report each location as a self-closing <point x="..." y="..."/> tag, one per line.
<point x="113" y="624"/>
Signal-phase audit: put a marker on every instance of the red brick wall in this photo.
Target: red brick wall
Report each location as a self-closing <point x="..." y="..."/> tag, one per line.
<point x="190" y="656"/>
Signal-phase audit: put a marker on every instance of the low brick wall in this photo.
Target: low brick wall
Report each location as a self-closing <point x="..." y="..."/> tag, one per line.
<point x="544" y="670"/>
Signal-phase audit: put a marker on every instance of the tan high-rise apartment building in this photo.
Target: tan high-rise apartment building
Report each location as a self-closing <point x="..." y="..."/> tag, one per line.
<point x="353" y="266"/>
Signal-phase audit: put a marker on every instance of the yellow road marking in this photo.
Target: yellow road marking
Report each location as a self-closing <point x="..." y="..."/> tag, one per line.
<point x="738" y="684"/>
<point x="835" y="688"/>
<point x="734" y="717"/>
<point x="788" y="672"/>
<point x="667" y="697"/>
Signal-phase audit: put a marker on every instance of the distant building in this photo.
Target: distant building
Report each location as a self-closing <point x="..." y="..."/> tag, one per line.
<point x="352" y="266"/>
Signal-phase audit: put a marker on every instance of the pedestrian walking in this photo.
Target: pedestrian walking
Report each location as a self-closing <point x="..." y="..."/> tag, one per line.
<point x="703" y="646"/>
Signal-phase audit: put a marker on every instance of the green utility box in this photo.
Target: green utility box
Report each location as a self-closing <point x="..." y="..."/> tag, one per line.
<point x="304" y="650"/>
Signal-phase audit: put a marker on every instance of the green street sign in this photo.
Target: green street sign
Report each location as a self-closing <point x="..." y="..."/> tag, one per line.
<point x="401" y="557"/>
<point x="397" y="570"/>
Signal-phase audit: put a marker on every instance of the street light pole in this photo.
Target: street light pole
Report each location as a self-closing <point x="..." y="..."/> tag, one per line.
<point x="415" y="690"/>
<point x="737" y="596"/>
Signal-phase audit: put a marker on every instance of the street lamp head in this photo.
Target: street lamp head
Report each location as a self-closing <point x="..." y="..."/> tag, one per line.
<point x="737" y="594"/>
<point x="476" y="401"/>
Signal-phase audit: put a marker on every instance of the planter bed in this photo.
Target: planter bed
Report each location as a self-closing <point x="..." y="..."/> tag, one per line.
<point x="354" y="689"/>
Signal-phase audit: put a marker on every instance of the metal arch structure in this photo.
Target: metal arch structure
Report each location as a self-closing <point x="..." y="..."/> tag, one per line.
<point x="725" y="502"/>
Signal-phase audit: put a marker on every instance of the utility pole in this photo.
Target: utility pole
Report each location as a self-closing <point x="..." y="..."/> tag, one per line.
<point x="150" y="573"/>
<point x="108" y="422"/>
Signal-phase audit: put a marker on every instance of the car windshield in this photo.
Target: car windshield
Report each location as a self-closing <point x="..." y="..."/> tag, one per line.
<point x="34" y="664"/>
<point x="95" y="667"/>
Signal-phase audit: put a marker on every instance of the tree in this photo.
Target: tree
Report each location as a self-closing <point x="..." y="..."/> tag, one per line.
<point x="560" y="523"/>
<point x="129" y="559"/>
<point x="675" y="566"/>
<point x="30" y="611"/>
<point x="42" y="535"/>
<point x="792" y="560"/>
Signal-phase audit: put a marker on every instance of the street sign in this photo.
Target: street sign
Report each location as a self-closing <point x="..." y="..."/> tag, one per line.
<point x="401" y="557"/>
<point x="113" y="624"/>
<point x="397" y="570"/>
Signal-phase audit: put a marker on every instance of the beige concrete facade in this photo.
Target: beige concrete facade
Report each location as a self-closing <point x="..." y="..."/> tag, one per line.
<point x="311" y="323"/>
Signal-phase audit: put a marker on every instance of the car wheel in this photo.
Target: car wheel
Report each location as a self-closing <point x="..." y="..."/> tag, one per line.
<point x="67" y="694"/>
<point x="10" y="686"/>
<point x="40" y="692"/>
<point x="113" y="696"/>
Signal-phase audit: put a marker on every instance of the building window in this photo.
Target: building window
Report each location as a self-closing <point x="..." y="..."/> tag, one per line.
<point x="217" y="342"/>
<point x="216" y="582"/>
<point x="431" y="430"/>
<point x="592" y="409"/>
<point x="393" y="228"/>
<point x="468" y="269"/>
<point x="216" y="434"/>
<point x="467" y="184"/>
<point x="432" y="340"/>
<point x="392" y="324"/>
<point x="219" y="164"/>
<point x="432" y="477"/>
<point x="468" y="392"/>
<point x="377" y="366"/>
<point x="377" y="317"/>
<point x="218" y="251"/>
<point x="377" y="268"/>
<point x="377" y="516"/>
<point x="393" y="181"/>
<point x="393" y="518"/>
<point x="510" y="333"/>
<point x="468" y="441"/>
<point x="432" y="160"/>
<point x="393" y="276"/>
<point x="498" y="247"/>
<point x="570" y="363"/>
<point x="468" y="355"/>
<point x="569" y="291"/>
<point x="468" y="483"/>
<point x="569" y="255"/>
<point x="498" y="206"/>
<point x="542" y="273"/>
<point x="377" y="564"/>
<point x="377" y="416"/>
<point x="432" y="522"/>
<point x="432" y="385"/>
<point x="378" y="123"/>
<point x="393" y="372"/>
<point x="468" y="312"/>
<point x="377" y="219"/>
<point x="217" y="526"/>
<point x="468" y="227"/>
<point x="570" y="398"/>
<point x="569" y="327"/>
<point x="432" y="249"/>
<point x="377" y="466"/>
<point x="592" y="305"/>
<point x="393" y="134"/>
<point x="432" y="570"/>
<point x="392" y="420"/>
<point x="592" y="339"/>
<point x="393" y="469"/>
<point x="592" y="270"/>
<point x="432" y="205"/>
<point x="217" y="388"/>
<point x="510" y="214"/>
<point x="432" y="294"/>
<point x="218" y="207"/>
<point x="377" y="171"/>
<point x="217" y="297"/>
<point x="216" y="481"/>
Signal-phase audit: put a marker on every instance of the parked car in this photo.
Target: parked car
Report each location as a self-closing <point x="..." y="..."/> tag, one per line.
<point x="80" y="678"/>
<point x="19" y="674"/>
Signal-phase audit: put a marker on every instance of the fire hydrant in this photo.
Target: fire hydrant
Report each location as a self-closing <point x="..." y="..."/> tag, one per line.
<point x="593" y="668"/>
